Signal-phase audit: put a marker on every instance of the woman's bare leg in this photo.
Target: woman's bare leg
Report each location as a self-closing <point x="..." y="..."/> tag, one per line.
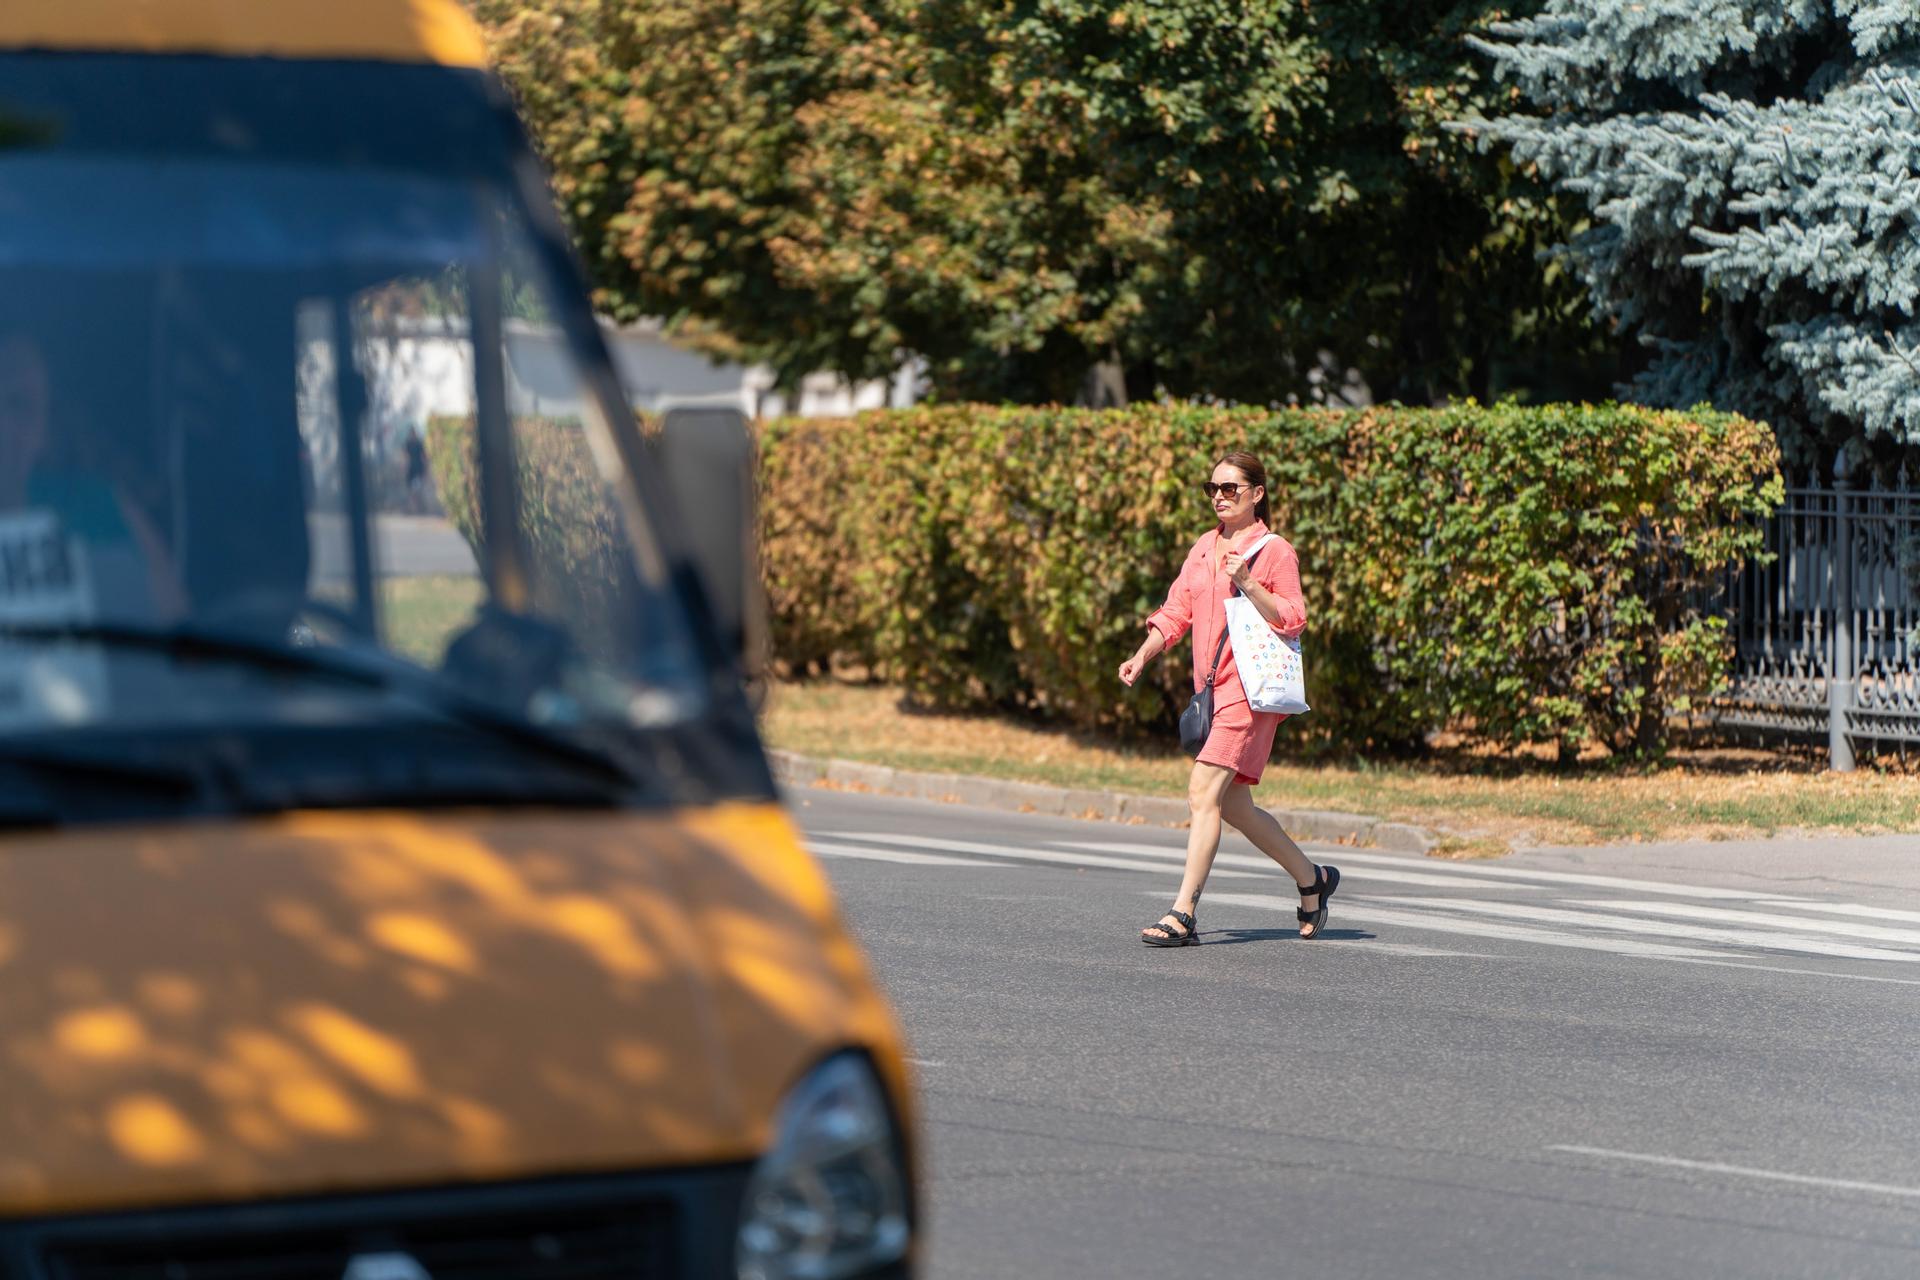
<point x="1209" y="783"/>
<point x="1270" y="838"/>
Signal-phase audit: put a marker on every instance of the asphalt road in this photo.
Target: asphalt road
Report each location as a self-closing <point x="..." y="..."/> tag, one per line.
<point x="1663" y="1066"/>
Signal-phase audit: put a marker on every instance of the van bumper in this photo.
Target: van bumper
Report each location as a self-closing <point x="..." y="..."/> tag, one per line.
<point x="672" y="1225"/>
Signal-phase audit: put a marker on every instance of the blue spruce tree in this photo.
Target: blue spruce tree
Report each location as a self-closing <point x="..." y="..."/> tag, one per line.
<point x="1753" y="172"/>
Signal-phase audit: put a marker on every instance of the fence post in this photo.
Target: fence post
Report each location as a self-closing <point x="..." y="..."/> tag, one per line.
<point x="1840" y="675"/>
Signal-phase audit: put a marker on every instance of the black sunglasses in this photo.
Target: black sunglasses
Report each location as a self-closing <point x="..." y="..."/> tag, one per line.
<point x="1230" y="491"/>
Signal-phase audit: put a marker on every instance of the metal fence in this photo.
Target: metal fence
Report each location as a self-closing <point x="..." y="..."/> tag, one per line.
<point x="1827" y="632"/>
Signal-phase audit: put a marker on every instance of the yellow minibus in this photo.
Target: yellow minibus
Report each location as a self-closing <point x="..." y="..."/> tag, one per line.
<point x="392" y="882"/>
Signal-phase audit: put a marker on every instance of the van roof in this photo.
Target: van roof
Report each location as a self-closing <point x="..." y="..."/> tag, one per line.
<point x="429" y="31"/>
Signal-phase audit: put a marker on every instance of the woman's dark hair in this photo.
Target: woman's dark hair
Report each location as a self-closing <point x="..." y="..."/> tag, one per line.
<point x="1253" y="473"/>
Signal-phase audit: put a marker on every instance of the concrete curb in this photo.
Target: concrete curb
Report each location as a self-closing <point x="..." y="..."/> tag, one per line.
<point x="795" y="770"/>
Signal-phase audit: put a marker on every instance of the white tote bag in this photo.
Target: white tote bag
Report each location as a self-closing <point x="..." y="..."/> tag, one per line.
<point x="1269" y="663"/>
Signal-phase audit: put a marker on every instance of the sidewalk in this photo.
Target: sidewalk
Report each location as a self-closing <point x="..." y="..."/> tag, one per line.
<point x="1887" y="868"/>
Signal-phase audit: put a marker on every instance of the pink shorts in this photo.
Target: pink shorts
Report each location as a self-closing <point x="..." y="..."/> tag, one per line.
<point x="1240" y="739"/>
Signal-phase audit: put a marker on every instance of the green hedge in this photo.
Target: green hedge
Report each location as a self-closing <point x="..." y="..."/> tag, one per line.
<point x="1531" y="574"/>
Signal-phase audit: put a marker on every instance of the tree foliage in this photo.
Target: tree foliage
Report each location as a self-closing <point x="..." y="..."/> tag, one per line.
<point x="1753" y="169"/>
<point x="1215" y="195"/>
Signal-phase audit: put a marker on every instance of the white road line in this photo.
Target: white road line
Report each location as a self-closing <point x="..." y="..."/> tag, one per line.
<point x="1177" y="856"/>
<point x="1034" y="855"/>
<point x="1840" y="909"/>
<point x="1865" y="932"/>
<point x="1156" y="859"/>
<point x="1167" y="853"/>
<point x="1742" y="1171"/>
<point x="1369" y="875"/>
<point x="1747" y="938"/>
<point x="1663" y="888"/>
<point x="1476" y="928"/>
<point x="1160" y="860"/>
<point x="1472" y="871"/>
<point x="892" y="855"/>
<point x="1344" y="911"/>
<point x="1174" y="846"/>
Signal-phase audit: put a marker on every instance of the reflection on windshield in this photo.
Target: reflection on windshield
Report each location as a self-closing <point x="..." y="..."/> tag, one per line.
<point x="241" y="401"/>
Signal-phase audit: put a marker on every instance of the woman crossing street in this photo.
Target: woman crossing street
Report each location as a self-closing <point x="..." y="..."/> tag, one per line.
<point x="1240" y="555"/>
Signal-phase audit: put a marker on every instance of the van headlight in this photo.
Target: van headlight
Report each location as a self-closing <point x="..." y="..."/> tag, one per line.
<point x="829" y="1201"/>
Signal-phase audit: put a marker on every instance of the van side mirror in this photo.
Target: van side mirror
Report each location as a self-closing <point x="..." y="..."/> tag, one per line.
<point x="709" y="459"/>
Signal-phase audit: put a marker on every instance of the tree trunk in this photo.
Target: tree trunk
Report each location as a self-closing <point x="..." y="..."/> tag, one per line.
<point x="1105" y="386"/>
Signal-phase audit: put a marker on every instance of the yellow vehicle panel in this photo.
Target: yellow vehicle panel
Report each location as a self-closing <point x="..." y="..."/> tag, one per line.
<point x="331" y="1001"/>
<point x="437" y="31"/>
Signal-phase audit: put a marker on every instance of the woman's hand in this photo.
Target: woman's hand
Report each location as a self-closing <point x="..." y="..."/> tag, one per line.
<point x="1152" y="647"/>
<point x="1236" y="566"/>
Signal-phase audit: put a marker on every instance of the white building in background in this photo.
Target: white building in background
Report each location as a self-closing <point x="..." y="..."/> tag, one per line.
<point x="421" y="368"/>
<point x="425" y="369"/>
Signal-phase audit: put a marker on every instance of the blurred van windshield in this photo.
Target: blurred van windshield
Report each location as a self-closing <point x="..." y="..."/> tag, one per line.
<point x="299" y="446"/>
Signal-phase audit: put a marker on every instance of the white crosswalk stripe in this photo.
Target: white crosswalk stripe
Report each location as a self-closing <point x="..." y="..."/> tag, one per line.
<point x="1174" y="845"/>
<point x="1382" y="863"/>
<point x="1478" y="871"/>
<point x="1840" y="909"/>
<point x="1775" y="941"/>
<point x="1145" y="858"/>
<point x="1864" y="932"/>
<point x="1032" y="855"/>
<point x="1176" y="855"/>
<point x="1366" y="913"/>
<point x="892" y="855"/>
<point x="1648" y="919"/>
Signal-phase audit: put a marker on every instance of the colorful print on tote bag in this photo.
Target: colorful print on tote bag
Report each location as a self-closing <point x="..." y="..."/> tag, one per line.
<point x="1268" y="662"/>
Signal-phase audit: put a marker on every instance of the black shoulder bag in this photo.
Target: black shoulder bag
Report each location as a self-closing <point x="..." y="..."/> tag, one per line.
<point x="1197" y="720"/>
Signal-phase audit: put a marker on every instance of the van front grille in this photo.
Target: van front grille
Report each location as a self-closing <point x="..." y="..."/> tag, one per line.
<point x="629" y="1242"/>
<point x="658" y="1226"/>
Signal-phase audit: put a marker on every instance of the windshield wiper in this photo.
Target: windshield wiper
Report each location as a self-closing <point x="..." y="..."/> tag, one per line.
<point x="388" y="674"/>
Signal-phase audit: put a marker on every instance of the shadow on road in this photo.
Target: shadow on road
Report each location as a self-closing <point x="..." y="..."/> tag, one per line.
<point x="1223" y="937"/>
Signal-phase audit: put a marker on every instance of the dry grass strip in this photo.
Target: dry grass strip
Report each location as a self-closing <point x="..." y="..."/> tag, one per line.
<point x="1493" y="802"/>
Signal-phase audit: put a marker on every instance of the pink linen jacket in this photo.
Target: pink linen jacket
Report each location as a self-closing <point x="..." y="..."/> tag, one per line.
<point x="1197" y="601"/>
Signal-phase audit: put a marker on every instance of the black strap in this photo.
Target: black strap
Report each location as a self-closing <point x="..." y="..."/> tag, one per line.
<point x="1185" y="921"/>
<point x="1327" y="880"/>
<point x="1218" y="649"/>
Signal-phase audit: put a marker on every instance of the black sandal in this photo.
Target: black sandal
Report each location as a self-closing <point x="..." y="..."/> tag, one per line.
<point x="1328" y="879"/>
<point x="1171" y="939"/>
